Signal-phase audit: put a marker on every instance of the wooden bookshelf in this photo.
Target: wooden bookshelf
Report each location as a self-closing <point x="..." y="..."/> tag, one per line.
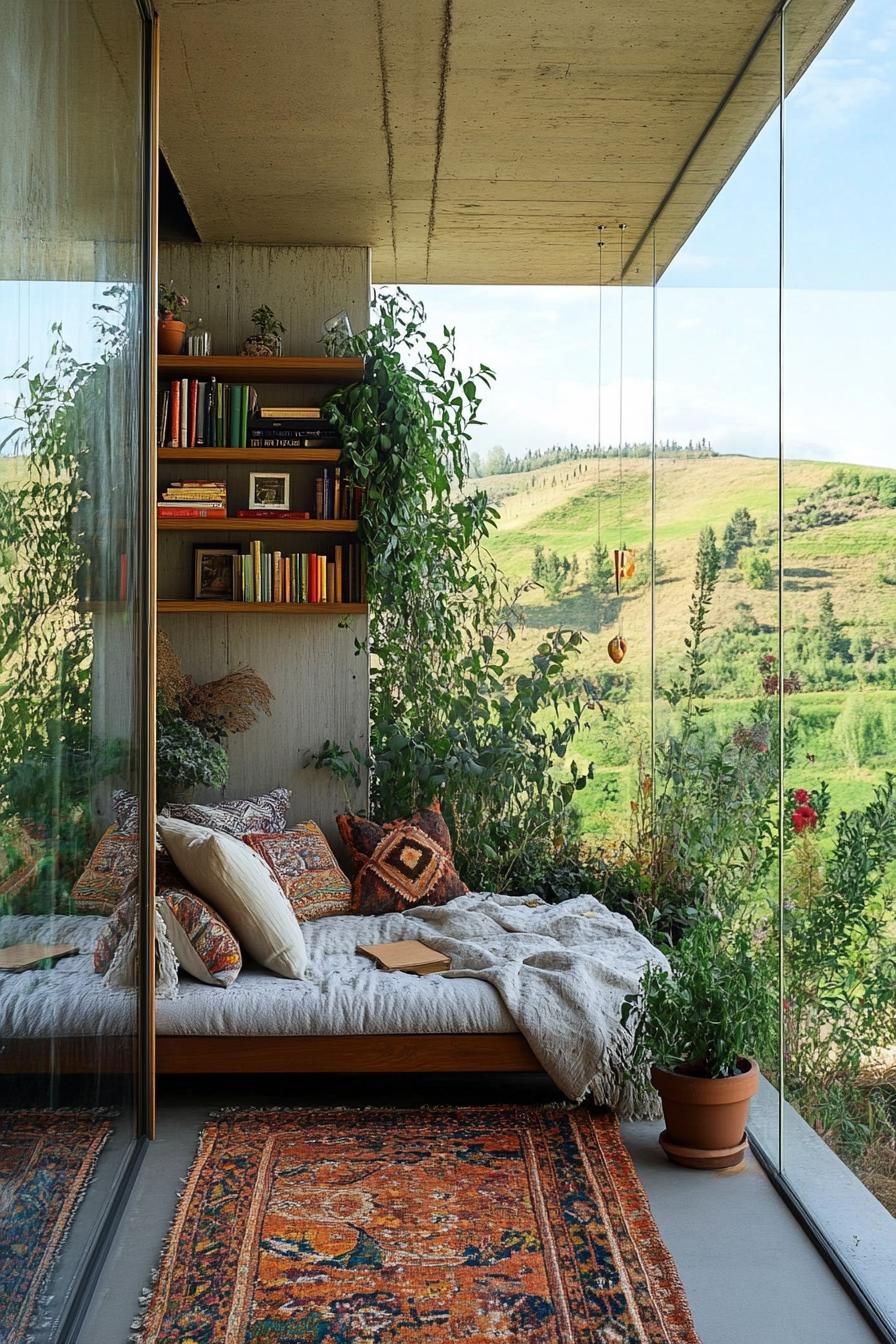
<point x="211" y="607"/>
<point x="267" y="455"/>
<point x="252" y="369"/>
<point x="257" y="525"/>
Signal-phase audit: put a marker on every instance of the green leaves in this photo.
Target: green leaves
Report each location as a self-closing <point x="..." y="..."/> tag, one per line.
<point x="445" y="719"/>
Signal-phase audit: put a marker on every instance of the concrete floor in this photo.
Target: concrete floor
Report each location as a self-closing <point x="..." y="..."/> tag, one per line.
<point x="751" y="1275"/>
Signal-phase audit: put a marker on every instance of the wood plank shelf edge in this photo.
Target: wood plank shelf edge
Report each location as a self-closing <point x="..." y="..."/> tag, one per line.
<point x="269" y="455"/>
<point x="257" y="525"/>
<point x="251" y="369"/>
<point x="168" y="605"/>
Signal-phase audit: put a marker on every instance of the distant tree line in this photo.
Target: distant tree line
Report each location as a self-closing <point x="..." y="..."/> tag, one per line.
<point x="498" y="462"/>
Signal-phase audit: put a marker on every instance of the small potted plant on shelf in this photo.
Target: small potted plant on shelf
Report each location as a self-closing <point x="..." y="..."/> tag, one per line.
<point x="697" y="1029"/>
<point x="267" y="339"/>
<point x="172" y="329"/>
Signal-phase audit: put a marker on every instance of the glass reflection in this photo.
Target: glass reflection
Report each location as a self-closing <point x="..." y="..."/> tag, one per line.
<point x="71" y="305"/>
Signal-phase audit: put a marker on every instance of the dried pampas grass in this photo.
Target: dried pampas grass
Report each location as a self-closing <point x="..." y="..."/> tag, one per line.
<point x="231" y="704"/>
<point x="172" y="684"/>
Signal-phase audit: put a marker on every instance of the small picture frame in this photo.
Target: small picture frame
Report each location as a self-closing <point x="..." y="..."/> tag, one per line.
<point x="269" y="490"/>
<point x="214" y="573"/>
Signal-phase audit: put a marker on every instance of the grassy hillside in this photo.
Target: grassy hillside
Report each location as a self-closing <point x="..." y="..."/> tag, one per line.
<point x="565" y="508"/>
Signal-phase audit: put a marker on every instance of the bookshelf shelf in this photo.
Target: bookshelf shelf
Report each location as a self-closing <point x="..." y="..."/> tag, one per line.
<point x="257" y="525"/>
<point x="252" y="369"/>
<point x="168" y="605"/>
<point x="269" y="455"/>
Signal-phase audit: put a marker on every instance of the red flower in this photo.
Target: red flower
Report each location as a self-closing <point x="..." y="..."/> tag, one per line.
<point x="804" y="818"/>
<point x="801" y="796"/>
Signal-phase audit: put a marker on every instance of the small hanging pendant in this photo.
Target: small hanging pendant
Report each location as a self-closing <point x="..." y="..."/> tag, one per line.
<point x="617" y="648"/>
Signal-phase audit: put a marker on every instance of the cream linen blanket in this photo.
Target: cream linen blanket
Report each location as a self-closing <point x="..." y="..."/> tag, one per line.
<point x="563" y="972"/>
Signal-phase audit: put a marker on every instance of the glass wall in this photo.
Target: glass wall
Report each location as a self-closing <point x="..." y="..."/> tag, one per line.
<point x="72" y="254"/>
<point x="839" y="618"/>
<point x="773" y="534"/>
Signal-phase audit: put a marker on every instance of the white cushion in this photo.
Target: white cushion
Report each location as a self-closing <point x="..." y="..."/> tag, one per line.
<point x="242" y="888"/>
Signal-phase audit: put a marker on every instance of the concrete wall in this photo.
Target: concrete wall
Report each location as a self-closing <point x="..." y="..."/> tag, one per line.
<point x="320" y="683"/>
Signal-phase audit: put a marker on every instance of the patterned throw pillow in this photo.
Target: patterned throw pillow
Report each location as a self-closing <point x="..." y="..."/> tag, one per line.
<point x="405" y="869"/>
<point x="112" y="866"/>
<point x="305" y="866"/>
<point x="237" y="816"/>
<point x="264" y="815"/>
<point x="202" y="942"/>
<point x="361" y="836"/>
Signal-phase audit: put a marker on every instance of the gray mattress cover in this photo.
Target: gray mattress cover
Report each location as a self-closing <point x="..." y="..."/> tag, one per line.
<point x="344" y="994"/>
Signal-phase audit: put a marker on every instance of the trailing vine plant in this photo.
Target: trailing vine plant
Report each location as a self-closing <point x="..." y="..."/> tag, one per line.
<point x="447" y="719"/>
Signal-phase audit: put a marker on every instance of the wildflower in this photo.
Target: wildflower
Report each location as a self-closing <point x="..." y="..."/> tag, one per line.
<point x="647" y="785"/>
<point x="753" y="735"/>
<point x="801" y="796"/>
<point x="804" y="818"/>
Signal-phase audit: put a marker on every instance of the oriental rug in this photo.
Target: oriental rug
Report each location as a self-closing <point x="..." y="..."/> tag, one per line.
<point x="386" y="1226"/>
<point x="46" y="1160"/>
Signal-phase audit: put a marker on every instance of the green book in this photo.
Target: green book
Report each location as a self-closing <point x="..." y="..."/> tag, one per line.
<point x="235" y="416"/>
<point x="220" y="440"/>
<point x="244" y="415"/>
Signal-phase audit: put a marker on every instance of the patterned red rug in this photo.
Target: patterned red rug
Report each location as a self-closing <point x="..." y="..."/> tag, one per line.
<point x="46" y="1159"/>
<point x="387" y="1226"/>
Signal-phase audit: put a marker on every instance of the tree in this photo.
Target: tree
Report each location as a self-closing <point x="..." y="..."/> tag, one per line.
<point x="538" y="564"/>
<point x="599" y="568"/>
<point x="739" y="532"/>
<point x="756" y="569"/>
<point x="829" y="631"/>
<point x="496" y="461"/>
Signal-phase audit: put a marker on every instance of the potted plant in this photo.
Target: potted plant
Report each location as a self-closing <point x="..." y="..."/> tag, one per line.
<point x="172" y="329"/>
<point x="267" y="337"/>
<point x="697" y="1029"/>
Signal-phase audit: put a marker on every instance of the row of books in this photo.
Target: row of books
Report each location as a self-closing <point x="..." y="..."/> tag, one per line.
<point x="278" y="427"/>
<point x="206" y="413"/>
<point x="302" y="577"/>
<point x="336" y="495"/>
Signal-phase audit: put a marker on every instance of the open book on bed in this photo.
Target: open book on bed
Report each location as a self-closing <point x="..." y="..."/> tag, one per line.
<point x="407" y="955"/>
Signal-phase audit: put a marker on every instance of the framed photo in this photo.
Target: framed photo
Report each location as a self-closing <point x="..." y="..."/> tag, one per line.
<point x="269" y="490"/>
<point x="214" y="572"/>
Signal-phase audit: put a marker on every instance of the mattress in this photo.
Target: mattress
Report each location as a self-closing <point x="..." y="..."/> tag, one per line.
<point x="344" y="993"/>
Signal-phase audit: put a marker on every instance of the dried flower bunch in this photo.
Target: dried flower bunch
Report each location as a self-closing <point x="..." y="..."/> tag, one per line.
<point x="230" y="704"/>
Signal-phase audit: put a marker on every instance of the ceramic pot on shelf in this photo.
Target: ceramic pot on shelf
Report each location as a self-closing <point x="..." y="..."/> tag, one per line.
<point x="171" y="336"/>
<point x="706" y="1118"/>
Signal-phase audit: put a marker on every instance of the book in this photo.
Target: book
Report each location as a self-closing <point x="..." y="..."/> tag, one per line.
<point x="163" y="417"/>
<point x="290" y="413"/>
<point x="174" y="431"/>
<point x="288" y="514"/>
<point x="408" y="954"/>
<point x="207" y="511"/>
<point x="235" y="416"/>
<point x="25" y="956"/>
<point x="184" y="412"/>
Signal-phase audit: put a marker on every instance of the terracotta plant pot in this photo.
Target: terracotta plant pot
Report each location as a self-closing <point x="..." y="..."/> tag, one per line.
<point x="171" y="336"/>
<point x="706" y="1118"/>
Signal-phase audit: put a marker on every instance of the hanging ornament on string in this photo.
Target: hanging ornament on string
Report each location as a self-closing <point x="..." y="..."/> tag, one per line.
<point x="623" y="558"/>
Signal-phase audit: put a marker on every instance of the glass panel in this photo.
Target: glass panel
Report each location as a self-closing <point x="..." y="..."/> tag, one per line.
<point x="71" y="312"/>
<point x="712" y="841"/>
<point x="839" y="616"/>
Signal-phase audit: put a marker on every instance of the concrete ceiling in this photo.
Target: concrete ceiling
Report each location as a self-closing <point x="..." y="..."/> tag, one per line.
<point x="464" y="141"/>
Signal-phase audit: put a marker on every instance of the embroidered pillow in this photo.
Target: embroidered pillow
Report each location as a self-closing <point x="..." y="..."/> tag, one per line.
<point x="265" y="814"/>
<point x="115" y="954"/>
<point x="361" y="836"/>
<point x="305" y="866"/>
<point x="202" y="943"/>
<point x="237" y="816"/>
<point x="241" y="886"/>
<point x="406" y="869"/>
<point x="112" y="867"/>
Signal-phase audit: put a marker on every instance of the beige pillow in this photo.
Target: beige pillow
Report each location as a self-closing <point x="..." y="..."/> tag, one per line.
<point x="241" y="887"/>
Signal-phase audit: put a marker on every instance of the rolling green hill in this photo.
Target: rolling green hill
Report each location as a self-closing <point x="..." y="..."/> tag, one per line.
<point x="565" y="508"/>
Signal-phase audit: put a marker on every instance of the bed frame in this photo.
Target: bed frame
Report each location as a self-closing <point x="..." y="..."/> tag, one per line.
<point x="196" y="1055"/>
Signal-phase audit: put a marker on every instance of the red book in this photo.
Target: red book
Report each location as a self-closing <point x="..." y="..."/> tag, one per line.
<point x="166" y="511"/>
<point x="194" y="399"/>
<point x="312" y="578"/>
<point x="174" y="438"/>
